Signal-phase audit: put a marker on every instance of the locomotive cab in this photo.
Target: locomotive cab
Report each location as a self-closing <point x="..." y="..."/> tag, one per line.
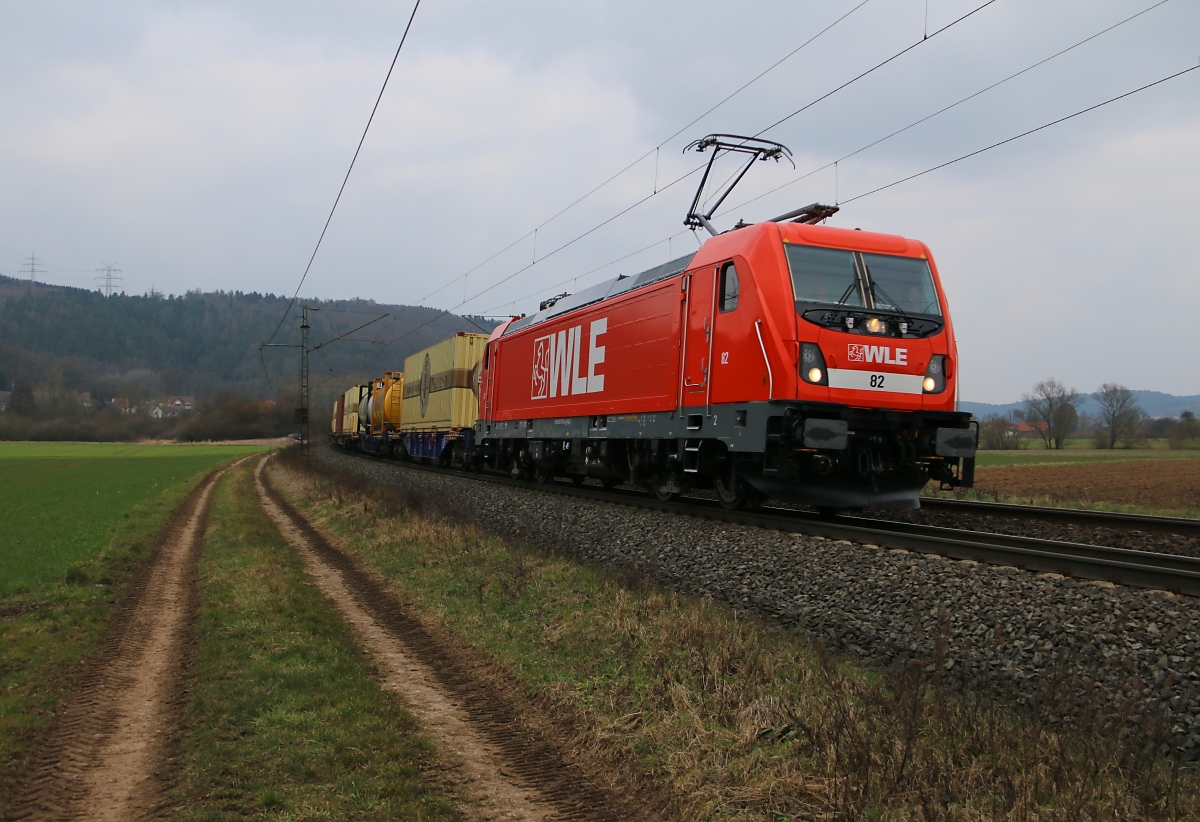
<point x="875" y="388"/>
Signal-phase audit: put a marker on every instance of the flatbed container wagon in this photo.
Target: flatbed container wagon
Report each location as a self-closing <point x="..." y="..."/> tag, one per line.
<point x="441" y="397"/>
<point x="344" y="430"/>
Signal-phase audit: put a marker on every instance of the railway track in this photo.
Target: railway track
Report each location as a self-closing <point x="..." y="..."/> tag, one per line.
<point x="1068" y="516"/>
<point x="1143" y="569"/>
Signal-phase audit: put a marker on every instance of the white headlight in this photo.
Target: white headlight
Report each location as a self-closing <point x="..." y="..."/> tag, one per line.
<point x="814" y="375"/>
<point x="929" y="384"/>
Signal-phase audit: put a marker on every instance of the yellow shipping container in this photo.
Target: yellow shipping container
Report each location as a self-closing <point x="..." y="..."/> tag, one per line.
<point x="441" y="386"/>
<point x="350" y="410"/>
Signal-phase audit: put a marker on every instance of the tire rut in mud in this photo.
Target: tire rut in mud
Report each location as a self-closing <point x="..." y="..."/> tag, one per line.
<point x="530" y="762"/>
<point x="107" y="754"/>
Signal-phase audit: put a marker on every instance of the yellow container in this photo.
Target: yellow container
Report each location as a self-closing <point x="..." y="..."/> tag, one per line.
<point x="441" y="387"/>
<point x="350" y="410"/>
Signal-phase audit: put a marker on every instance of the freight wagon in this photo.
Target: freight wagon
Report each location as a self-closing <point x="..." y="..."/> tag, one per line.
<point x="441" y="398"/>
<point x="343" y="430"/>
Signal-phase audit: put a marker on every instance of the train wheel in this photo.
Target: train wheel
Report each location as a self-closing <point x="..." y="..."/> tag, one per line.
<point x="577" y="479"/>
<point x="732" y="491"/>
<point x="664" y="486"/>
<point x="542" y="476"/>
<point x="825" y="512"/>
<point x="609" y="483"/>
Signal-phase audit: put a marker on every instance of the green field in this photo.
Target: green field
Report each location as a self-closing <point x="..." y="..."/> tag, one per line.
<point x="61" y="503"/>
<point x="1037" y="455"/>
<point x="77" y="521"/>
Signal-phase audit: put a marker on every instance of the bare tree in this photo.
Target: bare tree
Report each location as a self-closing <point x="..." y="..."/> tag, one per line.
<point x="1053" y="409"/>
<point x="1119" y="414"/>
<point x="997" y="433"/>
<point x="1183" y="433"/>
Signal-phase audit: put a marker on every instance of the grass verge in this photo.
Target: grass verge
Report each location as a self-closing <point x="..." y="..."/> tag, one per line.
<point x="286" y="721"/>
<point x="53" y="620"/>
<point x="735" y="719"/>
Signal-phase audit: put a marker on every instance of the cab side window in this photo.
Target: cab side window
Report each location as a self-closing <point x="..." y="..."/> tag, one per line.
<point x="729" y="287"/>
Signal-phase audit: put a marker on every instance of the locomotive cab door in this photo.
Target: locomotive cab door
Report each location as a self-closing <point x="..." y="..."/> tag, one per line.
<point x="698" y="308"/>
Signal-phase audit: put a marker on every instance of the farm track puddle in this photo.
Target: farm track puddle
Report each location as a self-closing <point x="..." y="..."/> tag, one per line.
<point x="106" y="755"/>
<point x="506" y="769"/>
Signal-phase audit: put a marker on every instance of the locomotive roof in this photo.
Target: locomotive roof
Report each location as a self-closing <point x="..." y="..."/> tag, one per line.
<point x="827" y="236"/>
<point x="604" y="291"/>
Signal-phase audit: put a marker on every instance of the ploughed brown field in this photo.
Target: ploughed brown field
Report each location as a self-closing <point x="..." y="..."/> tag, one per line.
<point x="1163" y="484"/>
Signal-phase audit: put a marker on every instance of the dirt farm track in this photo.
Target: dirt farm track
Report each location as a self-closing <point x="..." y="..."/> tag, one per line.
<point x="1162" y="483"/>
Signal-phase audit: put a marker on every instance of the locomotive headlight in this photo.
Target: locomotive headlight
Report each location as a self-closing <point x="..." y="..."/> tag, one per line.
<point x="876" y="325"/>
<point x="935" y="375"/>
<point x="812" y="364"/>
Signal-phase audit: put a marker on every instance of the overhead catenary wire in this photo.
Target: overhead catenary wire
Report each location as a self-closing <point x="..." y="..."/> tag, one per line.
<point x="548" y="255"/>
<point x="944" y="109"/>
<point x="835" y="163"/>
<point x="1015" y="137"/>
<point x="342" y="188"/>
<point x="949" y="162"/>
<point x="266" y="373"/>
<point x="875" y="68"/>
<point x="348" y="333"/>
<point x="803" y="108"/>
<point x="654" y="151"/>
<point x="589" y="272"/>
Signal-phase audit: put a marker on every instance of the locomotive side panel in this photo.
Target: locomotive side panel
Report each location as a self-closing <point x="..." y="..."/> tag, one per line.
<point x="751" y="362"/>
<point x="621" y="356"/>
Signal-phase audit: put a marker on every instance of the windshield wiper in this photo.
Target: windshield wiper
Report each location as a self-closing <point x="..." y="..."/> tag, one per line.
<point x="846" y="293"/>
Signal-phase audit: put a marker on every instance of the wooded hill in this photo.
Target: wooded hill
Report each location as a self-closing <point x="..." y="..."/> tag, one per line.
<point x="200" y="344"/>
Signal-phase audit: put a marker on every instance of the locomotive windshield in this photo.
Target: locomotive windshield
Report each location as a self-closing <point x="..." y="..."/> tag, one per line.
<point x="831" y="277"/>
<point x="824" y="275"/>
<point x="902" y="284"/>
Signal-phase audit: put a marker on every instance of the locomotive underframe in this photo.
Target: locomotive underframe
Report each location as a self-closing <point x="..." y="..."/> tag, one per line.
<point x="818" y="454"/>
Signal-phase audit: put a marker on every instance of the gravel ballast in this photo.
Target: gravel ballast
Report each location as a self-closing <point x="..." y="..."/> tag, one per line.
<point x="1075" y="649"/>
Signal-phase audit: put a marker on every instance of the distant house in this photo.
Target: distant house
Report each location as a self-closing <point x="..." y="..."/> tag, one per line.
<point x="1026" y="429"/>
<point x="172" y="407"/>
<point x="121" y="404"/>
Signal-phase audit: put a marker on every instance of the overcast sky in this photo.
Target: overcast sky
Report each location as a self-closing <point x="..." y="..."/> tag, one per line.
<point x="200" y="145"/>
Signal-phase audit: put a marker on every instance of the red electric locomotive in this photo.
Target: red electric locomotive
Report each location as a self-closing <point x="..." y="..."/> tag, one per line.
<point x="784" y="359"/>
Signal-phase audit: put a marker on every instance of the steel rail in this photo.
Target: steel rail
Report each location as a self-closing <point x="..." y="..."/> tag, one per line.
<point x="1101" y="519"/>
<point x="1141" y="569"/>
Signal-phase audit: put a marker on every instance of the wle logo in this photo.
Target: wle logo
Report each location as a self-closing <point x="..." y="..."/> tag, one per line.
<point x="556" y="362"/>
<point x="876" y="353"/>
